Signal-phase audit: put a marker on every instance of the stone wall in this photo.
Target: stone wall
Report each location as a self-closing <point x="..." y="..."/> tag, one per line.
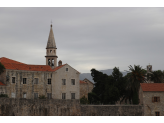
<point x="151" y="107"/>
<point x="54" y="107"/>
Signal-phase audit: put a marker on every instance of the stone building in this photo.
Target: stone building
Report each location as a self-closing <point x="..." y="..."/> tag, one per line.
<point x="86" y="87"/>
<point x="151" y="96"/>
<point x="20" y="80"/>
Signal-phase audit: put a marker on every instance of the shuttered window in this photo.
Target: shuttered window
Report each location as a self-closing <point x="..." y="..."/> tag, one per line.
<point x="155" y="99"/>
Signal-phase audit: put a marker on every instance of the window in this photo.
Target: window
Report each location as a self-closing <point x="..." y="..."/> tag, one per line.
<point x="49" y="81"/>
<point x="13" y="79"/>
<point x="49" y="95"/>
<point x="12" y="95"/>
<point x="157" y="113"/>
<point x="63" y="95"/>
<point x="63" y="81"/>
<point x="72" y="95"/>
<point x="50" y="51"/>
<point x="35" y="95"/>
<point x="155" y="99"/>
<point x="36" y="81"/>
<point x="24" y="80"/>
<point x="66" y="69"/>
<point x="24" y="95"/>
<point x="73" y="81"/>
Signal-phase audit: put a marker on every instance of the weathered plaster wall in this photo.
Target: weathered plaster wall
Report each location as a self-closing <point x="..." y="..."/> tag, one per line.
<point x="54" y="107"/>
<point x="151" y="107"/>
<point x="42" y="88"/>
<point x="57" y="86"/>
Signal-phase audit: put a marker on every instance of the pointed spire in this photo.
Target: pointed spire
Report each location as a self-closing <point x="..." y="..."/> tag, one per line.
<point x="51" y="39"/>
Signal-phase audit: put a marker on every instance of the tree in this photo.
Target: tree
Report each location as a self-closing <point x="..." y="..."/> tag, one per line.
<point x="2" y="68"/>
<point x="156" y="76"/>
<point x="135" y="76"/>
<point x="83" y="100"/>
<point x="108" y="89"/>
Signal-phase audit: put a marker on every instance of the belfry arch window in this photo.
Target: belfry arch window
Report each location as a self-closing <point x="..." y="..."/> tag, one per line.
<point x="50" y="51"/>
<point x="52" y="62"/>
<point x="49" y="62"/>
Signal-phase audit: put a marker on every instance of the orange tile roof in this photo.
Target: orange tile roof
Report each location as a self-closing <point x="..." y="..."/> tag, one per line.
<point x="14" y="65"/>
<point x="1" y="83"/>
<point x="152" y="86"/>
<point x="6" y="60"/>
<point x="82" y="82"/>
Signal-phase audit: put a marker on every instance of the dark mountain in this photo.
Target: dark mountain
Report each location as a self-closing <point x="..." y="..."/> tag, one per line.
<point x="89" y="77"/>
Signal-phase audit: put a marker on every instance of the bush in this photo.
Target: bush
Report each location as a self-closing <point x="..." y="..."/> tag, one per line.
<point x="3" y="95"/>
<point x="42" y="97"/>
<point x="83" y="100"/>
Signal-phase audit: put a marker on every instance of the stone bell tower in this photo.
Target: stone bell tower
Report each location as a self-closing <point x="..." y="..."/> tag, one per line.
<point x="51" y="57"/>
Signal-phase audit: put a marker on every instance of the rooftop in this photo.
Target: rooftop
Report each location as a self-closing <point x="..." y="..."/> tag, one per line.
<point x="152" y="86"/>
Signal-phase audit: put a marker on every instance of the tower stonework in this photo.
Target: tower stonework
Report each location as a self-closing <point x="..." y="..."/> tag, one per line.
<point x="51" y="57"/>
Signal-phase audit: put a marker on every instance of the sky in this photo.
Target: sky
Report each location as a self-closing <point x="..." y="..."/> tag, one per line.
<point x="86" y="38"/>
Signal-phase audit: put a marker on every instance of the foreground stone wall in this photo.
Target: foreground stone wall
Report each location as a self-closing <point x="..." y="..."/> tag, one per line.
<point x="54" y="107"/>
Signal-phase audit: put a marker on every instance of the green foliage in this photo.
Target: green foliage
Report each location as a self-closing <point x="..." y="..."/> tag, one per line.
<point x="2" y="68"/>
<point x="135" y="76"/>
<point x="93" y="98"/>
<point x="42" y="97"/>
<point x="83" y="100"/>
<point x="135" y="98"/>
<point x="3" y="95"/>
<point x="156" y="76"/>
<point x="108" y="89"/>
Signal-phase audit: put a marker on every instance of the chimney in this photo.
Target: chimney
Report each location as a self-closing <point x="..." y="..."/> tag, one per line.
<point x="60" y="63"/>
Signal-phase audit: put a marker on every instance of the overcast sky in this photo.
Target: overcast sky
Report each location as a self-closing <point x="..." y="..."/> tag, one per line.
<point x="86" y="38"/>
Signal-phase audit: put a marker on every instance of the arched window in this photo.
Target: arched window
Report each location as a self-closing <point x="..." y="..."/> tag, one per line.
<point x="49" y="62"/>
<point x="52" y="62"/>
<point x="50" y="51"/>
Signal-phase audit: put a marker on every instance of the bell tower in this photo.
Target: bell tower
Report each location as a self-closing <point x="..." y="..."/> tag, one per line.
<point x="51" y="57"/>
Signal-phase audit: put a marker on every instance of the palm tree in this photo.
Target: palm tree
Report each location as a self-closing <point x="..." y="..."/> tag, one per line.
<point x="156" y="76"/>
<point x="135" y="76"/>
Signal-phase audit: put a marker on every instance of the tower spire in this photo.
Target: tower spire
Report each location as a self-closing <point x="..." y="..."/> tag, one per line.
<point x="51" y="57"/>
<point x="51" y="40"/>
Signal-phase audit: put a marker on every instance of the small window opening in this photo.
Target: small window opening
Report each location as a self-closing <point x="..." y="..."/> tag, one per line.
<point x="50" y="51"/>
<point x="49" y="95"/>
<point x="52" y="62"/>
<point x="36" y="81"/>
<point x="72" y="95"/>
<point x="13" y="79"/>
<point x="24" y="95"/>
<point x="49" y="81"/>
<point x="63" y="95"/>
<point x="49" y="62"/>
<point x="157" y="113"/>
<point x="66" y="69"/>
<point x="73" y="81"/>
<point x="63" y="81"/>
<point x="24" y="80"/>
<point x="54" y="51"/>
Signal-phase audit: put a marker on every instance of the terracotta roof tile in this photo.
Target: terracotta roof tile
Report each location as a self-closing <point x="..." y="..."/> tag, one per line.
<point x="15" y="65"/>
<point x="152" y="86"/>
<point x="6" y="60"/>
<point x="1" y="83"/>
<point x="82" y="82"/>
